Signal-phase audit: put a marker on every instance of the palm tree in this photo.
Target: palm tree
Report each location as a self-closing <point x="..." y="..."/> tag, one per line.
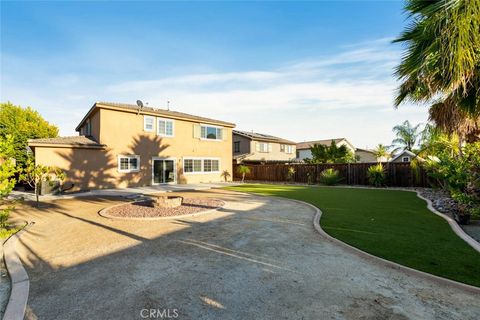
<point x="452" y="120"/>
<point x="243" y="170"/>
<point x="441" y="63"/>
<point x="381" y="153"/>
<point x="225" y="174"/>
<point x="407" y="136"/>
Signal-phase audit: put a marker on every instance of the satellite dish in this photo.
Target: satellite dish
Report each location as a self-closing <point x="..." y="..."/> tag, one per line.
<point x="140" y="103"/>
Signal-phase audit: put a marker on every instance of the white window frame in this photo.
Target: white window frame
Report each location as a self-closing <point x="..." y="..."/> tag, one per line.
<point x="407" y="158"/>
<point x="130" y="156"/>
<point x="211" y="126"/>
<point x="165" y="134"/>
<point x="202" y="165"/>
<point x="145" y="117"/>
<point x="287" y="148"/>
<point x="174" y="170"/>
<point x="264" y="143"/>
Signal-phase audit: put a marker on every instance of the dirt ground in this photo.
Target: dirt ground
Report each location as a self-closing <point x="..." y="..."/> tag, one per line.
<point x="4" y="284"/>
<point x="256" y="258"/>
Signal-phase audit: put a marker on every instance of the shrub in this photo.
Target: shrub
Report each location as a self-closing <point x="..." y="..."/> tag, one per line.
<point x="376" y="175"/>
<point x="291" y="174"/>
<point x="459" y="174"/>
<point x="309" y="178"/>
<point x="225" y="174"/>
<point x="330" y="177"/>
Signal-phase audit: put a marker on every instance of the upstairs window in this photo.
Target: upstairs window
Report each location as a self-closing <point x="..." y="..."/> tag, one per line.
<point x="211" y="132"/>
<point x="236" y="147"/>
<point x="165" y="127"/>
<point x="286" y="148"/>
<point x="148" y="123"/>
<point x="87" y="129"/>
<point x="130" y="163"/>
<point x="263" y="147"/>
<point x="406" y="159"/>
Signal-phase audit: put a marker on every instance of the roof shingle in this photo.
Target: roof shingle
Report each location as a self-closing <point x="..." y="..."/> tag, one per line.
<point x="73" y="141"/>
<point x="262" y="137"/>
<point x="161" y="112"/>
<point x="309" y="144"/>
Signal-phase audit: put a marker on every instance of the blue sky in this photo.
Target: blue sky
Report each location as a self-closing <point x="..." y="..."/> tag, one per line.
<point x="299" y="70"/>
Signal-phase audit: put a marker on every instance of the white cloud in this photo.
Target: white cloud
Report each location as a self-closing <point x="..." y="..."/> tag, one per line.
<point x="349" y="94"/>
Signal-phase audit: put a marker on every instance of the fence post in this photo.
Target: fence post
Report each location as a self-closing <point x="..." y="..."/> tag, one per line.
<point x="348" y="173"/>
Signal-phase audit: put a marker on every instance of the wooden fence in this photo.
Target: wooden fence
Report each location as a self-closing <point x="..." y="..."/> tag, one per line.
<point x="398" y="174"/>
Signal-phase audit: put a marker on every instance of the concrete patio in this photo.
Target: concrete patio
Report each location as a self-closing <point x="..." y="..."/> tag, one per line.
<point x="256" y="258"/>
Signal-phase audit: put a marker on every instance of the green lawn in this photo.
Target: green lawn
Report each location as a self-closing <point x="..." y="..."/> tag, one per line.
<point x="395" y="225"/>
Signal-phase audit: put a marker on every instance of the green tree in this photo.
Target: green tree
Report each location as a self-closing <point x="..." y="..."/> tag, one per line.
<point x="381" y="152"/>
<point x="407" y="136"/>
<point x="441" y="63"/>
<point x="7" y="178"/>
<point x="23" y="124"/>
<point x="331" y="154"/>
<point x="243" y="170"/>
<point x="36" y="174"/>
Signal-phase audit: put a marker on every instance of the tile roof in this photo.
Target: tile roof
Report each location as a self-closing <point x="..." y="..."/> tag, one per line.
<point x="157" y="111"/>
<point x="73" y="141"/>
<point x="309" y="144"/>
<point x="262" y="137"/>
<point x="365" y="150"/>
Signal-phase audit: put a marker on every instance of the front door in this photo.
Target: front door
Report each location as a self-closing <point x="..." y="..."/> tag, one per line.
<point x="163" y="171"/>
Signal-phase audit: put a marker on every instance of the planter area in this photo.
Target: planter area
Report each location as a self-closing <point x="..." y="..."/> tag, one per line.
<point x="162" y="207"/>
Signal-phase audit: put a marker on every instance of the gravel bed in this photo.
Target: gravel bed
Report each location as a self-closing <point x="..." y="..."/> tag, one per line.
<point x="144" y="209"/>
<point x="442" y="201"/>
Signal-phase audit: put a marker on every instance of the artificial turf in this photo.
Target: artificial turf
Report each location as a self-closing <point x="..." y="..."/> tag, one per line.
<point x="394" y="225"/>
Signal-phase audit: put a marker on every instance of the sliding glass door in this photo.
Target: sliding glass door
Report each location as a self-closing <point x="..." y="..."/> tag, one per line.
<point x="163" y="171"/>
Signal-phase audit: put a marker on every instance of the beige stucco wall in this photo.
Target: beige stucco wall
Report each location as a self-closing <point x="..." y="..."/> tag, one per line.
<point x="365" y="156"/>
<point x="123" y="134"/>
<point x="85" y="168"/>
<point x="274" y="155"/>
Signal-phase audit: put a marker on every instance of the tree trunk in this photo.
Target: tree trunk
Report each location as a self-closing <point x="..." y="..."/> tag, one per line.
<point x="243" y="176"/>
<point x="37" y="191"/>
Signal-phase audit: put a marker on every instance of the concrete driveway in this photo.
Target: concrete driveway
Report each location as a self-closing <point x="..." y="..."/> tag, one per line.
<point x="257" y="258"/>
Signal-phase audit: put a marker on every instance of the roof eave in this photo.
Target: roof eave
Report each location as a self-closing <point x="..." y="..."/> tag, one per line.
<point x="109" y="107"/>
<point x="64" y="145"/>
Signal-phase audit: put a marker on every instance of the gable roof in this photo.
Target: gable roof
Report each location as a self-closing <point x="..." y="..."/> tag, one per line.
<point x="365" y="150"/>
<point x="74" y="141"/>
<point x="326" y="142"/>
<point x="406" y="152"/>
<point x="262" y="137"/>
<point x="150" y="111"/>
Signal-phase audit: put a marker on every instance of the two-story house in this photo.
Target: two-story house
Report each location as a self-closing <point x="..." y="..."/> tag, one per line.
<point x="258" y="147"/>
<point x="123" y="145"/>
<point x="303" y="148"/>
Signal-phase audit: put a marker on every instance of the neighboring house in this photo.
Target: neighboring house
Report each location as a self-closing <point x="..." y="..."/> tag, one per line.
<point x="365" y="155"/>
<point x="404" y="156"/>
<point x="123" y="145"/>
<point x="368" y="156"/>
<point x="258" y="147"/>
<point x="303" y="148"/>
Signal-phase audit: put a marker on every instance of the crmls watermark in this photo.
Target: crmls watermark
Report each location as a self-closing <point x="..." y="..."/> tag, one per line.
<point x="165" y="313"/>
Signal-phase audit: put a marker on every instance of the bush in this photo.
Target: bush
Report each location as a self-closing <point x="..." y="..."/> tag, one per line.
<point x="330" y="177"/>
<point x="376" y="175"/>
<point x="291" y="174"/>
<point x="459" y="174"/>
